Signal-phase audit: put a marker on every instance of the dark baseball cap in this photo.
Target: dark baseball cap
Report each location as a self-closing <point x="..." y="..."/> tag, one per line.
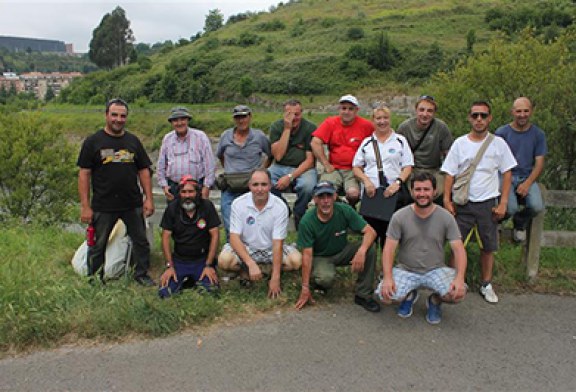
<point x="324" y="187"/>
<point x="241" y="110"/>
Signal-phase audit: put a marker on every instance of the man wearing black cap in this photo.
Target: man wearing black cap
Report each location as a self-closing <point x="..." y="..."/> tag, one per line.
<point x="342" y="135"/>
<point x="323" y="238"/>
<point x="240" y="151"/>
<point x="429" y="139"/>
<point x="185" y="151"/>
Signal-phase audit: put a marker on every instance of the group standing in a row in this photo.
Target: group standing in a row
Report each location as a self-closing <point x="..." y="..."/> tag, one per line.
<point x="366" y="160"/>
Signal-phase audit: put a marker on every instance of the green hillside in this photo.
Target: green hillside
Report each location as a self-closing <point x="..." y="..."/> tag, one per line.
<point x="312" y="47"/>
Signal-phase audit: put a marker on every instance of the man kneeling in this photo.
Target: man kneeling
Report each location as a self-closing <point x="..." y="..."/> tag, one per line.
<point x="258" y="226"/>
<point x="422" y="229"/>
<point x="192" y="223"/>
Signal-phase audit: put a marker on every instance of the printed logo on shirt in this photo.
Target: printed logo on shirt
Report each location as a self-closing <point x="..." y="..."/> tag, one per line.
<point x="201" y="223"/>
<point x="392" y="151"/>
<point x="108" y="155"/>
<point x="250" y="220"/>
<point x="340" y="233"/>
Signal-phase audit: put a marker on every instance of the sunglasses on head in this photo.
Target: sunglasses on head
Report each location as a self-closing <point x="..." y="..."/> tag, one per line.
<point x="476" y="115"/>
<point x="426" y="97"/>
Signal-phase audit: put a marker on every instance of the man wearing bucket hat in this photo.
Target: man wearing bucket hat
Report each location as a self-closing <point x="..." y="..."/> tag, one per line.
<point x="342" y="135"/>
<point x="185" y="151"/>
<point x="323" y="238"/>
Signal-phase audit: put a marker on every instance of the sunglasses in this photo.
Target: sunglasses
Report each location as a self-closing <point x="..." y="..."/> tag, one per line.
<point x="483" y="115"/>
<point x="426" y="97"/>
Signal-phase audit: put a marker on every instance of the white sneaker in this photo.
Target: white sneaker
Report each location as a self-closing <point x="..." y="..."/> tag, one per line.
<point x="519" y="235"/>
<point x="488" y="293"/>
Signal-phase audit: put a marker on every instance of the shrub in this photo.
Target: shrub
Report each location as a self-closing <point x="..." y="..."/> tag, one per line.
<point x="355" y="33"/>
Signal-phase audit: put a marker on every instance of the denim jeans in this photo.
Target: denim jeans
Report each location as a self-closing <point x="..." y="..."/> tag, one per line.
<point x="533" y="201"/>
<point x="135" y="227"/>
<point x="303" y="186"/>
<point x="226" y="199"/>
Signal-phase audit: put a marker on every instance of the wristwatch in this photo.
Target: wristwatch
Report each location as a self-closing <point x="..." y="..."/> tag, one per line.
<point x="290" y="176"/>
<point x="169" y="264"/>
<point x="399" y="181"/>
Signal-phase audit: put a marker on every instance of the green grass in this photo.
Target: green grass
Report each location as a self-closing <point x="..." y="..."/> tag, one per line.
<point x="44" y="303"/>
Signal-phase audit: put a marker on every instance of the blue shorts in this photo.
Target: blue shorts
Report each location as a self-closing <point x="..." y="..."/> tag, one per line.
<point x="437" y="280"/>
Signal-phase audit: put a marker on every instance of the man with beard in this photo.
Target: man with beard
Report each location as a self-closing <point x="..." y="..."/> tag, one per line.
<point x="113" y="161"/>
<point x="258" y="228"/>
<point x="421" y="229"/>
<point x="323" y="238"/>
<point x="192" y="223"/>
<point x="185" y="151"/>
<point x="486" y="202"/>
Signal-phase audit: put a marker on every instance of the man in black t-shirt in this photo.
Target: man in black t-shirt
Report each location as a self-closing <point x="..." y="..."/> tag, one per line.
<point x="192" y="222"/>
<point x="114" y="165"/>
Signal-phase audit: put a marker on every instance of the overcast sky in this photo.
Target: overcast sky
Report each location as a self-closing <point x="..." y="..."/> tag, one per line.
<point x="152" y="21"/>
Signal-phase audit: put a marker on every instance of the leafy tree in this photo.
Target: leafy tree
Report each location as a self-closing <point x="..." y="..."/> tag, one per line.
<point x="49" y="94"/>
<point x="36" y="170"/>
<point x="214" y="20"/>
<point x="246" y="86"/>
<point x="382" y="54"/>
<point x="546" y="73"/>
<point x="112" y="41"/>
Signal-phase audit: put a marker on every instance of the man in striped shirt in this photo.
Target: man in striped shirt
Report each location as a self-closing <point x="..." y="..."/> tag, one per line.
<point x="185" y="151"/>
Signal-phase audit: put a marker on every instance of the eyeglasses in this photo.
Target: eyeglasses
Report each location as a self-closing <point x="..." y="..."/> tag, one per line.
<point x="477" y="115"/>
<point x="426" y="97"/>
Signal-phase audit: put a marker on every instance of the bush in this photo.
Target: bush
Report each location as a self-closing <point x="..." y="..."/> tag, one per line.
<point x="355" y="33"/>
<point x="37" y="171"/>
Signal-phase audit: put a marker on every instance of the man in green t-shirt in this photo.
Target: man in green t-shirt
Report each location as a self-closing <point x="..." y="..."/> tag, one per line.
<point x="323" y="238"/>
<point x="294" y="167"/>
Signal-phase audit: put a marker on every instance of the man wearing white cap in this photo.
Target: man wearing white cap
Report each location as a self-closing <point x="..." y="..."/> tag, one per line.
<point x="342" y="135"/>
<point x="185" y="151"/>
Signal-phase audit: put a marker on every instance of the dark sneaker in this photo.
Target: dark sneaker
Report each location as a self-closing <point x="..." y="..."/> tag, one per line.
<point x="145" y="280"/>
<point x="405" y="308"/>
<point x="367" y="303"/>
<point x="434" y="314"/>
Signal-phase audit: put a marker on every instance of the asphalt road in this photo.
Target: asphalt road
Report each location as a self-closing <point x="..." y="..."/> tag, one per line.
<point x="525" y="343"/>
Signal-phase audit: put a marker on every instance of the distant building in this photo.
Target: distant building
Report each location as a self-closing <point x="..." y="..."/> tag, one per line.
<point x="38" y="82"/>
<point x="20" y="44"/>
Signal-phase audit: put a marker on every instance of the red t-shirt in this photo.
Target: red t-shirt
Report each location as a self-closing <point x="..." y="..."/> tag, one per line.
<point x="343" y="140"/>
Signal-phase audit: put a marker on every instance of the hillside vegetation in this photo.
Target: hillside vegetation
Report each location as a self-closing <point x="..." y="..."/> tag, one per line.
<point x="305" y="48"/>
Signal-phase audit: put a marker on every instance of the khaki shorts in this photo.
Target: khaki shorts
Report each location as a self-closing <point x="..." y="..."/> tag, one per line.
<point x="342" y="179"/>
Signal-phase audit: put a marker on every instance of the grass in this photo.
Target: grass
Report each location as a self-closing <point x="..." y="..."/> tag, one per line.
<point x="43" y="303"/>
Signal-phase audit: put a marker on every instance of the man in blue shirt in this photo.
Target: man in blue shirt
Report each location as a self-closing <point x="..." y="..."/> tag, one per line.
<point x="528" y="144"/>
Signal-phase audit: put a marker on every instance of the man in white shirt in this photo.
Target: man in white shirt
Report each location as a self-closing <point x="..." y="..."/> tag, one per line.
<point x="486" y="205"/>
<point x="258" y="227"/>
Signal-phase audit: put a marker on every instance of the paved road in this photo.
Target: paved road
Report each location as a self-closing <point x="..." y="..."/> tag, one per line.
<point x="525" y="343"/>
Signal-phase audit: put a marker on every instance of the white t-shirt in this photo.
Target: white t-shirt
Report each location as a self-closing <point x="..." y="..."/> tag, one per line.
<point x="258" y="228"/>
<point x="484" y="184"/>
<point x="395" y="153"/>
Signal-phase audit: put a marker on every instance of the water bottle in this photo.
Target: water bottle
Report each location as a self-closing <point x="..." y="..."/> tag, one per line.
<point x="90" y="235"/>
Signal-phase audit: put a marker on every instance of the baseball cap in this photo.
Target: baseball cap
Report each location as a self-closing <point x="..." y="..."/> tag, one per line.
<point x="179" y="112"/>
<point x="241" y="110"/>
<point x="349" y="98"/>
<point x="324" y="187"/>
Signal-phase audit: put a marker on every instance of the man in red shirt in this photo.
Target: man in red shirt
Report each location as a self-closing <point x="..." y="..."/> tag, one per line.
<point x="342" y="135"/>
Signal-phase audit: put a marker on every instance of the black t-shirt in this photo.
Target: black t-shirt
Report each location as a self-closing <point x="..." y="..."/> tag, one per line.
<point x="191" y="235"/>
<point x="114" y="162"/>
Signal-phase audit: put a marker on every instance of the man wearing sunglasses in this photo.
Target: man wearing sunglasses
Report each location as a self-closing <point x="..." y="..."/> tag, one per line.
<point x="115" y="166"/>
<point x="486" y="203"/>
<point x="258" y="228"/>
<point x="192" y="223"/>
<point x="528" y="144"/>
<point x="429" y="139"/>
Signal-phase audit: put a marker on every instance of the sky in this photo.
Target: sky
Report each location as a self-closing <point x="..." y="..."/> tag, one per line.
<point x="152" y="21"/>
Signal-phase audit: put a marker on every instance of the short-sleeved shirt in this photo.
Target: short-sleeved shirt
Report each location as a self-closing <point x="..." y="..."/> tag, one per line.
<point x="497" y="158"/>
<point x="329" y="238"/>
<point x="242" y="158"/>
<point x="343" y="140"/>
<point x="114" y="163"/>
<point x="525" y="145"/>
<point x="421" y="240"/>
<point x="258" y="228"/>
<point x="191" y="235"/>
<point x="298" y="144"/>
<point x="429" y="153"/>
<point x="395" y="154"/>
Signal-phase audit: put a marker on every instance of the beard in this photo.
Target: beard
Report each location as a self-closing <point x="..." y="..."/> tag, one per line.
<point x="424" y="202"/>
<point x="188" y="204"/>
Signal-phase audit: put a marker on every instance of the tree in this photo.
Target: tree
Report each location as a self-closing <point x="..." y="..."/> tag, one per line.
<point x="546" y="73"/>
<point x="112" y="41"/>
<point x="214" y="20"/>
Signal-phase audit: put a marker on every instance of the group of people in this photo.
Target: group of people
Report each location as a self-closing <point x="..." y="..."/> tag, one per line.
<point x="416" y="166"/>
